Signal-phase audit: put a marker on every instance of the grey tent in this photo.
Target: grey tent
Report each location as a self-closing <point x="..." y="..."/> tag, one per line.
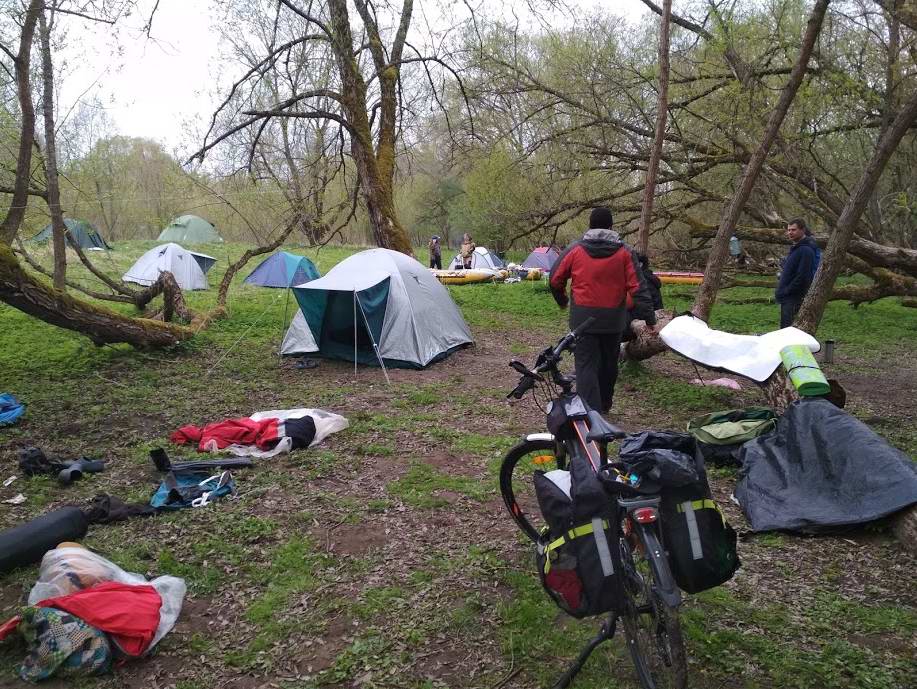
<point x="377" y="307"/>
<point x="481" y="257"/>
<point x="82" y="233"/>
<point x="190" y="229"/>
<point x="188" y="267"/>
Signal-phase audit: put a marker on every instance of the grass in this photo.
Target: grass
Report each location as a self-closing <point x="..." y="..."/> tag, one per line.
<point x="429" y="585"/>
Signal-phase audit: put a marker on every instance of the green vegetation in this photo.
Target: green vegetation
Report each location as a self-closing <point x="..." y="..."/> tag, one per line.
<point x="384" y="556"/>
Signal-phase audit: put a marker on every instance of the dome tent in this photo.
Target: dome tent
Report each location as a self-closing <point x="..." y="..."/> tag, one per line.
<point x="543" y="257"/>
<point x="283" y="269"/>
<point x="377" y="306"/>
<point x="82" y="233"/>
<point x="188" y="267"/>
<point x="482" y="257"/>
<point x="190" y="229"/>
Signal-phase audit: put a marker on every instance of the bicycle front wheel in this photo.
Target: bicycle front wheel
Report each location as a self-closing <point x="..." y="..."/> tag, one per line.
<point x="651" y="626"/>
<point x="516" y="482"/>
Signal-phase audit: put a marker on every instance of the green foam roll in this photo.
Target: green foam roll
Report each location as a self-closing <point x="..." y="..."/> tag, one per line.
<point x="803" y="370"/>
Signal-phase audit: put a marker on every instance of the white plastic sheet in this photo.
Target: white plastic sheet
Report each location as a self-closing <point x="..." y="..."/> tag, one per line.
<point x="752" y="356"/>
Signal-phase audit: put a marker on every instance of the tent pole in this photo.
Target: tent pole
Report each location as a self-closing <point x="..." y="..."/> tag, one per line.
<point x="355" y="333"/>
<point x="375" y="346"/>
<point x="283" y="323"/>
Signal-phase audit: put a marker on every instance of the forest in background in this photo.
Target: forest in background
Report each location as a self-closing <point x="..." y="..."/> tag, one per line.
<point x="511" y="130"/>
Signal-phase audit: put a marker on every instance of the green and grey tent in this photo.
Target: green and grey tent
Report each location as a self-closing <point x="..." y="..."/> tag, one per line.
<point x="190" y="229"/>
<point x="377" y="307"/>
<point x="82" y="233"/>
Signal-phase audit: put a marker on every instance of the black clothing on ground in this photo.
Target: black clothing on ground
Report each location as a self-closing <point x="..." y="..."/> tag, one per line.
<point x="105" y="509"/>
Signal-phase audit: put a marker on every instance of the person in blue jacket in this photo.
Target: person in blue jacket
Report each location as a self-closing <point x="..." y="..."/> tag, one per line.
<point x="797" y="271"/>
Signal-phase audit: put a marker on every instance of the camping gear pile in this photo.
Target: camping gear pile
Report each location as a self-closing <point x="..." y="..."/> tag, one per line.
<point x="85" y="612"/>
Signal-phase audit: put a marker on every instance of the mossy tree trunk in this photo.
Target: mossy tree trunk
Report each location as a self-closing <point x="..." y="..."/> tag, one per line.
<point x="375" y="159"/>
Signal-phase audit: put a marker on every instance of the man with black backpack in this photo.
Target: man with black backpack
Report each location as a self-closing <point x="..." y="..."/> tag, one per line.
<point x="606" y="282"/>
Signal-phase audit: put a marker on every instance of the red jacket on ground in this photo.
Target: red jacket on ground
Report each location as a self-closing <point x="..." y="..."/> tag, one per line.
<point x="128" y="613"/>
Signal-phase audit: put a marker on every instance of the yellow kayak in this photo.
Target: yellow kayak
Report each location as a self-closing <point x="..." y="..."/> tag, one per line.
<point x="467" y="277"/>
<point x="676" y="278"/>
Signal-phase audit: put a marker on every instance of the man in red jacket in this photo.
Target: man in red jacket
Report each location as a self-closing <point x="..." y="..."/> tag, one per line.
<point x="606" y="281"/>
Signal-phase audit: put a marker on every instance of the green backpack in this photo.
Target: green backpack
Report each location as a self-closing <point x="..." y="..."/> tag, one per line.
<point x="733" y="426"/>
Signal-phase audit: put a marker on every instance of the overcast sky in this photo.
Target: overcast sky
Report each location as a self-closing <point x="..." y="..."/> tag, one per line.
<point x="151" y="88"/>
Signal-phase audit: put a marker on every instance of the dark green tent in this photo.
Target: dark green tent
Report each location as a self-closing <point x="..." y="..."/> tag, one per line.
<point x="82" y="233"/>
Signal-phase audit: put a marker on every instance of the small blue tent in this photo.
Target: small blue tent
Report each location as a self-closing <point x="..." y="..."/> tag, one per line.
<point x="283" y="269"/>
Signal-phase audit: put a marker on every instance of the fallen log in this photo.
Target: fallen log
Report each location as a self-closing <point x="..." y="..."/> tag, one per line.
<point x="875" y="254"/>
<point x="23" y="291"/>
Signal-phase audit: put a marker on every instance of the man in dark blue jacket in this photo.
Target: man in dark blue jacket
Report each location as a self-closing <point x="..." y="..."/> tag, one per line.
<point x="797" y="272"/>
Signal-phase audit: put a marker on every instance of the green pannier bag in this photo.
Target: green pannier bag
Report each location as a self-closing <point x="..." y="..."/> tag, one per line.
<point x="733" y="426"/>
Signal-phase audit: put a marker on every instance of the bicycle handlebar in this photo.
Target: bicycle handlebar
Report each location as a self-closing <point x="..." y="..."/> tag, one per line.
<point x="549" y="360"/>
<point x="554" y="357"/>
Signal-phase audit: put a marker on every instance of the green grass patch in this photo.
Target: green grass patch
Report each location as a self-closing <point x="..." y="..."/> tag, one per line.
<point x="420" y="486"/>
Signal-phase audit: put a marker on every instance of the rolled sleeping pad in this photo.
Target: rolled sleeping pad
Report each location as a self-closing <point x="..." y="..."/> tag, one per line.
<point x="803" y="370"/>
<point x="27" y="543"/>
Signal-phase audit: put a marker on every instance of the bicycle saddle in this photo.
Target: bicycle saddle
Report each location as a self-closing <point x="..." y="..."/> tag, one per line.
<point x="600" y="430"/>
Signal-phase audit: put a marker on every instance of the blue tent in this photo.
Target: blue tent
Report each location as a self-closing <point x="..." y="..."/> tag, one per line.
<point x="283" y="269"/>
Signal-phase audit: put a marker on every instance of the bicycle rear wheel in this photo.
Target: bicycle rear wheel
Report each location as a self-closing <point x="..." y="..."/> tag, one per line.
<point x="516" y="482"/>
<point x="651" y="626"/>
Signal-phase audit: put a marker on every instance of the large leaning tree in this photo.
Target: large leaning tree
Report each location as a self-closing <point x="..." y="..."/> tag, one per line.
<point x="350" y="74"/>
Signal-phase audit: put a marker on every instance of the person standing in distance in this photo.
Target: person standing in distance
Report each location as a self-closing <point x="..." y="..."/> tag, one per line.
<point x="797" y="270"/>
<point x="467" y="251"/>
<point x="436" y="253"/>
<point x="606" y="282"/>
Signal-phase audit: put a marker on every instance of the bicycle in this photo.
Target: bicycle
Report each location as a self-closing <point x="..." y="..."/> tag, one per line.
<point x="651" y="598"/>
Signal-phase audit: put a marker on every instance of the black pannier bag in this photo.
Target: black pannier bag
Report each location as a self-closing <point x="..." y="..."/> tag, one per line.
<point x="699" y="542"/>
<point x="579" y="554"/>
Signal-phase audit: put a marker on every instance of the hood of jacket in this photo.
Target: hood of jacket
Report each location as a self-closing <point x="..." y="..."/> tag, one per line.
<point x="600" y="243"/>
<point x="808" y="240"/>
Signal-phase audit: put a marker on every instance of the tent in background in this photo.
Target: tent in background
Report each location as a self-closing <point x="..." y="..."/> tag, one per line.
<point x="283" y="269"/>
<point x="188" y="268"/>
<point x="377" y="306"/>
<point x="543" y="257"/>
<point x="481" y="258"/>
<point x="190" y="229"/>
<point x="82" y="233"/>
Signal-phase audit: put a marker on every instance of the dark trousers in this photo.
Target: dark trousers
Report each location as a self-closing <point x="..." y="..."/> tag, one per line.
<point x="597" y="368"/>
<point x="436" y="262"/>
<point x="789" y="307"/>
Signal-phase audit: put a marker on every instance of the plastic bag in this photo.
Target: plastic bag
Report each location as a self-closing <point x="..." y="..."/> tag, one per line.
<point x="68" y="569"/>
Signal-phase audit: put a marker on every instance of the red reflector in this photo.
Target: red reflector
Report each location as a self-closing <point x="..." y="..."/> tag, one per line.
<point x="645" y="515"/>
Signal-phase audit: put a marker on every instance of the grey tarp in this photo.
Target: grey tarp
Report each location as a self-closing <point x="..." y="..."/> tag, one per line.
<point x="822" y="469"/>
